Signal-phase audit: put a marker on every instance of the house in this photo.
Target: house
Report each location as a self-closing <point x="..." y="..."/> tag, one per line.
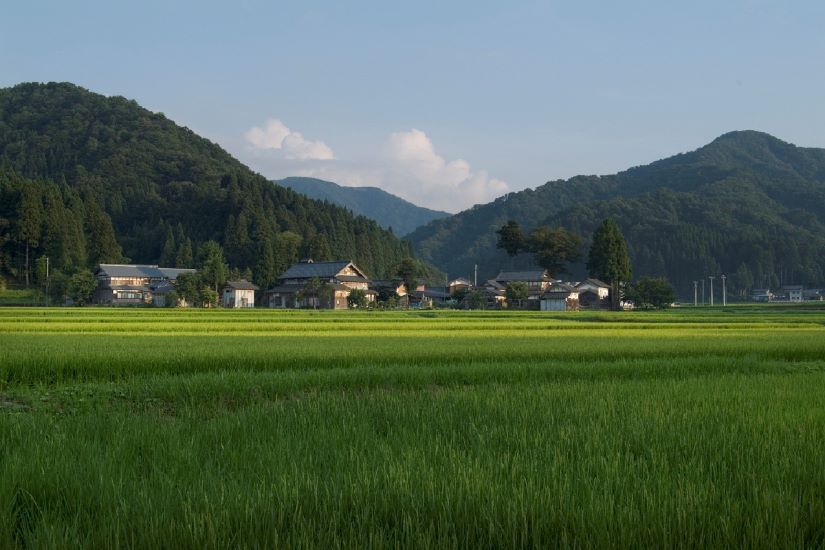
<point x="127" y="284"/>
<point x="319" y="284"/>
<point x="537" y="281"/>
<point x="593" y="293"/>
<point x="428" y="297"/>
<point x="495" y="293"/>
<point x="813" y="294"/>
<point x="762" y="295"/>
<point x="793" y="292"/>
<point x="560" y="297"/>
<point x="238" y="294"/>
<point x="458" y="285"/>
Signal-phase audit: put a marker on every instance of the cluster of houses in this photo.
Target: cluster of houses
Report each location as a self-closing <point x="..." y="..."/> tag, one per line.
<point x="328" y="285"/>
<point x="788" y="293"/>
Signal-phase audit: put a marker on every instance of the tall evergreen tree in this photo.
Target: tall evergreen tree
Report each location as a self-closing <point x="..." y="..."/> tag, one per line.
<point x="168" y="254"/>
<point x="608" y="259"/>
<point x="29" y="221"/>
<point x="213" y="268"/>
<point x="103" y="245"/>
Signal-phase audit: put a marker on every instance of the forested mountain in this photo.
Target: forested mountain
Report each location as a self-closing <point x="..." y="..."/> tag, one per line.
<point x="86" y="178"/>
<point x="385" y="208"/>
<point x="747" y="204"/>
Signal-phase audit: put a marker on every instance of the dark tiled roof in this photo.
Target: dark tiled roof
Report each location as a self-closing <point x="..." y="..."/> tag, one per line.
<point x="536" y="275"/>
<point x="559" y="289"/>
<point x="593" y="282"/>
<point x="141" y="270"/>
<point x="285" y="289"/>
<point x="243" y="284"/>
<point x="308" y="270"/>
<point x="352" y="279"/>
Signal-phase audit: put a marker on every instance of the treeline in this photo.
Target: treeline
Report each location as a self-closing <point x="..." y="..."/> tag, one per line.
<point x="87" y="179"/>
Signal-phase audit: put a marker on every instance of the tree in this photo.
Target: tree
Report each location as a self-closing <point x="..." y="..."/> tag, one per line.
<point x="188" y="287"/>
<point x="516" y="292"/>
<point x="408" y="271"/>
<point x="183" y="258"/>
<point x="357" y="298"/>
<point x="29" y="220"/>
<point x="651" y="292"/>
<point x="81" y="287"/>
<point x="172" y="299"/>
<point x="213" y="268"/>
<point x="476" y="300"/>
<point x="266" y="269"/>
<point x="608" y="259"/>
<point x="553" y="248"/>
<point x="743" y="279"/>
<point x="169" y="252"/>
<point x="208" y="297"/>
<point x="103" y="245"/>
<point x="511" y="238"/>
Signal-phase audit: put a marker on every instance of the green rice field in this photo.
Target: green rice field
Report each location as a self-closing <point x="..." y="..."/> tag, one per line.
<point x="150" y="428"/>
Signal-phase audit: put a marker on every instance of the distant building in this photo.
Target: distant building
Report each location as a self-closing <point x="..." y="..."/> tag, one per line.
<point x="537" y="280"/>
<point x="132" y="284"/>
<point x="793" y="292"/>
<point x="337" y="279"/>
<point x="238" y="294"/>
<point x="459" y="284"/>
<point x="560" y="297"/>
<point x="593" y="293"/>
<point x="762" y="295"/>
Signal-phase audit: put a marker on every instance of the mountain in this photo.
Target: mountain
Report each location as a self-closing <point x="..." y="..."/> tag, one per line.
<point x="385" y="208"/>
<point x="87" y="178"/>
<point x="747" y="204"/>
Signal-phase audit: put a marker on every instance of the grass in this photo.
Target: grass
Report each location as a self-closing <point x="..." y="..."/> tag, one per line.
<point x="203" y="429"/>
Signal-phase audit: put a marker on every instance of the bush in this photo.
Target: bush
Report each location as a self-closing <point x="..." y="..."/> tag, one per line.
<point x="651" y="292"/>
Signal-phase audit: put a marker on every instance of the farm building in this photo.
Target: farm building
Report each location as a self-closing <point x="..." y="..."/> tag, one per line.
<point x="237" y="294"/>
<point x="132" y="284"/>
<point x="325" y="285"/>
<point x="593" y="293"/>
<point x="560" y="297"/>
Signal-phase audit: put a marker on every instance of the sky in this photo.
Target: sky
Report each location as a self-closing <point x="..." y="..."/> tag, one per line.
<point x="446" y="104"/>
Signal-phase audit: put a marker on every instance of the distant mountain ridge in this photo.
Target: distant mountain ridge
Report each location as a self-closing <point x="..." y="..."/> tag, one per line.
<point x="388" y="210"/>
<point x="746" y="203"/>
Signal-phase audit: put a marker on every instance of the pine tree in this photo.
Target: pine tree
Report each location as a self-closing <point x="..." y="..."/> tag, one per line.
<point x="608" y="259"/>
<point x="29" y="220"/>
<point x="168" y="255"/>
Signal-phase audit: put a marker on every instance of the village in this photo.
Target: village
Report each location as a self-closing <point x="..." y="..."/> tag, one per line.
<point x="343" y="285"/>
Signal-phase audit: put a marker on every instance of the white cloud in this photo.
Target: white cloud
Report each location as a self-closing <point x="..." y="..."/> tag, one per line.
<point x="276" y="135"/>
<point x="407" y="165"/>
<point x="419" y="174"/>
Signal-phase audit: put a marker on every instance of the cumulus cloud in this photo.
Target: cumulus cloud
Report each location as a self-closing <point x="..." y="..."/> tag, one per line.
<point x="275" y="135"/>
<point x="419" y="174"/>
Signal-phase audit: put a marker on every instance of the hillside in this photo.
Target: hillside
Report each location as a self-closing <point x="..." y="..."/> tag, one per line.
<point x="389" y="211"/>
<point x="86" y="178"/>
<point x="747" y="204"/>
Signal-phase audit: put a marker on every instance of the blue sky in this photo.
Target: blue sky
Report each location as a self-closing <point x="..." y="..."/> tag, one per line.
<point x="443" y="103"/>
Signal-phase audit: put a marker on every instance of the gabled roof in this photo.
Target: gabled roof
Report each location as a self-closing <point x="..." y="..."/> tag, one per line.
<point x="534" y="275"/>
<point x="593" y="282"/>
<point x="559" y="289"/>
<point x="243" y="284"/>
<point x="141" y="270"/>
<point x="322" y="270"/>
<point x="461" y="281"/>
<point x="492" y="283"/>
<point x="352" y="279"/>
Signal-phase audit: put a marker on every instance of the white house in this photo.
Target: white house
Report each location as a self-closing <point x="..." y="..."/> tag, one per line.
<point x="239" y="294"/>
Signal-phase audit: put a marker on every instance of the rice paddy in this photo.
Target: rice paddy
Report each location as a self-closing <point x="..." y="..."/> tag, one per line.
<point x="202" y="429"/>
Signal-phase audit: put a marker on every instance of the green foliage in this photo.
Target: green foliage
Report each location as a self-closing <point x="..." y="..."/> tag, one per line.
<point x="212" y="266"/>
<point x="87" y="179"/>
<point x="172" y="299"/>
<point x="511" y="238"/>
<point x="654" y="292"/>
<point x="517" y="292"/>
<point x="745" y="198"/>
<point x="208" y="297"/>
<point x="81" y="287"/>
<point x="476" y="300"/>
<point x="357" y="298"/>
<point x="553" y="249"/>
<point x="408" y="271"/>
<point x="608" y="259"/>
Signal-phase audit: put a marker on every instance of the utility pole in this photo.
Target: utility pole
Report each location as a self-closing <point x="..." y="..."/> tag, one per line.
<point x="711" y="277"/>
<point x="724" y="292"/>
<point x="695" y="293"/>
<point x="47" y="281"/>
<point x="703" y="292"/>
<point x="475" y="276"/>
